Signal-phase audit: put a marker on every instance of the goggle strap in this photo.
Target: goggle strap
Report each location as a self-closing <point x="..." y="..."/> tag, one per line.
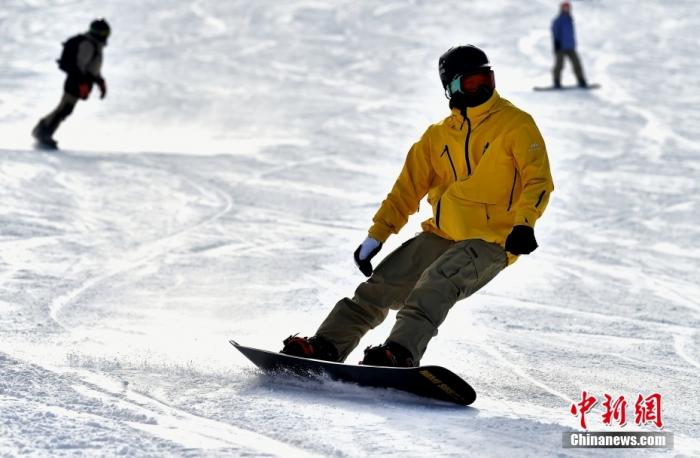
<point x="455" y="86"/>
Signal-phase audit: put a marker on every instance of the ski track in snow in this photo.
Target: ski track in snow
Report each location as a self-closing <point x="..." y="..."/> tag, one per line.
<point x="219" y="191"/>
<point x="148" y="252"/>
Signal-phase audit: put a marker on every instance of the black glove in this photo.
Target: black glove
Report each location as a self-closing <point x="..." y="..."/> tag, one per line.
<point x="364" y="254"/>
<point x="557" y="46"/>
<point x="521" y="240"/>
<point x="102" y="84"/>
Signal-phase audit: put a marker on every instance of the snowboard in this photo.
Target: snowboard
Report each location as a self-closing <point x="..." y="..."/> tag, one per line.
<point x="427" y="381"/>
<point x="566" y="88"/>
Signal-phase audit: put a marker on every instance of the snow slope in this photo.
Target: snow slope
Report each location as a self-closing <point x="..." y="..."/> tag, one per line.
<point x="220" y="189"/>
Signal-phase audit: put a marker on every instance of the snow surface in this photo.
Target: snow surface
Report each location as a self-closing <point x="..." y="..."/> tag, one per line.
<point x="221" y="188"/>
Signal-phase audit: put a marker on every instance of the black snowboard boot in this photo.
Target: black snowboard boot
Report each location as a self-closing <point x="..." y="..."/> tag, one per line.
<point x="390" y="354"/>
<point x="44" y="135"/>
<point x="315" y="347"/>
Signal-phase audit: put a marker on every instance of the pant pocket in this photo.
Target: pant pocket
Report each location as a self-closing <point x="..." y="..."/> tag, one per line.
<point x="460" y="271"/>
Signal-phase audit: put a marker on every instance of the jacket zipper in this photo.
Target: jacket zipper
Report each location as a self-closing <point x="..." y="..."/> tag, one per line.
<point x="512" y="190"/>
<point x="437" y="213"/>
<point x="447" y="150"/>
<point x="466" y="143"/>
<point x="539" y="200"/>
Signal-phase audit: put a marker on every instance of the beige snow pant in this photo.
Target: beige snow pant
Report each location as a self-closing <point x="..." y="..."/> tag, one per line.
<point x="423" y="279"/>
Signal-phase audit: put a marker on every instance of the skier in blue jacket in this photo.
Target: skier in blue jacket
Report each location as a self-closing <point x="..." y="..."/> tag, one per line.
<point x="565" y="45"/>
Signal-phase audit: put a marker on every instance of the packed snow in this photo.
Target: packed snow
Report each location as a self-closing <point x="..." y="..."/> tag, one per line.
<point x="220" y="189"/>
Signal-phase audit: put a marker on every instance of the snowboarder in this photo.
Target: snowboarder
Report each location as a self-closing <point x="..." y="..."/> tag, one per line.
<point x="565" y="45"/>
<point x="486" y="173"/>
<point x="82" y="61"/>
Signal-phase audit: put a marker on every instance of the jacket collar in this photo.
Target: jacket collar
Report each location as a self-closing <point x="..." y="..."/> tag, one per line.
<point x="98" y="44"/>
<point x="480" y="112"/>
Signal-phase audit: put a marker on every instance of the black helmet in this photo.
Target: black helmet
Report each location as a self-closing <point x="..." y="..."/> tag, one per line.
<point x="466" y="76"/>
<point x="99" y="28"/>
<point x="462" y="60"/>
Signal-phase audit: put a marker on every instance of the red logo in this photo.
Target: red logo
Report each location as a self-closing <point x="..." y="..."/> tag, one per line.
<point x="582" y="408"/>
<point x="646" y="409"/>
<point x="616" y="410"/>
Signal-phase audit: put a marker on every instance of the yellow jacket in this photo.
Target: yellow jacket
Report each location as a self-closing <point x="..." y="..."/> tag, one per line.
<point x="483" y="175"/>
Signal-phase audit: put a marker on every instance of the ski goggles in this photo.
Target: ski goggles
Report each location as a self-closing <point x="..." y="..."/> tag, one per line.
<point x="469" y="83"/>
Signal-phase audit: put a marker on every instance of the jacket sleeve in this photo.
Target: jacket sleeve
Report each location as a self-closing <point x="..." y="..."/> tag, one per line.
<point x="556" y="30"/>
<point x="84" y="55"/>
<point x="89" y="61"/>
<point x="410" y="187"/>
<point x="532" y="163"/>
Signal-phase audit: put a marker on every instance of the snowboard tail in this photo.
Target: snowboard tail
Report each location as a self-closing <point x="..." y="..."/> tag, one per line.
<point x="428" y="381"/>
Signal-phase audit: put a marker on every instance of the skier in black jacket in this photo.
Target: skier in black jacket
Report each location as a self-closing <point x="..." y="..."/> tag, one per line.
<point x="82" y="61"/>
